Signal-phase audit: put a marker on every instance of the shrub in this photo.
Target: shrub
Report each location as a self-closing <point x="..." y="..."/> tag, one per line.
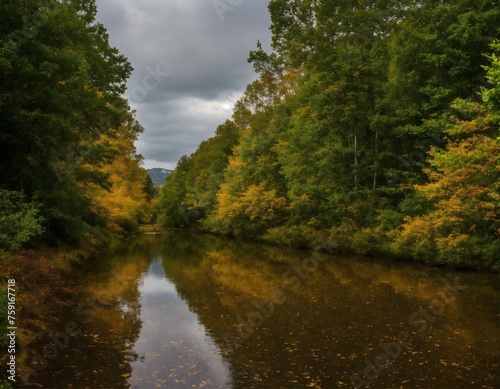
<point x="19" y="221"/>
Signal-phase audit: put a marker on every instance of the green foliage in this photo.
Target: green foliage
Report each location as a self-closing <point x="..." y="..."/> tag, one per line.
<point x="491" y="96"/>
<point x="5" y="384"/>
<point x="364" y="128"/>
<point x="171" y="211"/>
<point x="457" y="219"/>
<point x="19" y="221"/>
<point x="3" y="317"/>
<point x="189" y="193"/>
<point x="294" y="236"/>
<point x="60" y="95"/>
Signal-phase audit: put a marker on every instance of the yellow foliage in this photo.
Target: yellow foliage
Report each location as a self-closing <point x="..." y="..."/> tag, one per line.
<point x="254" y="204"/>
<point x="126" y="203"/>
<point x="465" y="194"/>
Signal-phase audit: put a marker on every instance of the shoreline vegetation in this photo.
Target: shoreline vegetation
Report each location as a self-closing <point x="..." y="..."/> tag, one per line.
<point x="371" y="130"/>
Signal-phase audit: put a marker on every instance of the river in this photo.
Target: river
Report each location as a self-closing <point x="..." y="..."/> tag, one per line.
<point x="184" y="310"/>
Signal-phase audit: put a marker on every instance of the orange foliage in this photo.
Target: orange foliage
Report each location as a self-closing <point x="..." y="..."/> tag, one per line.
<point x="465" y="192"/>
<point x="126" y="202"/>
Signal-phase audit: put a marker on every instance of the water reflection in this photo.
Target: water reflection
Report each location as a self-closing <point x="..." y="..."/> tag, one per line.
<point x="174" y="349"/>
<point x="108" y="316"/>
<point x="171" y="302"/>
<point x="336" y="318"/>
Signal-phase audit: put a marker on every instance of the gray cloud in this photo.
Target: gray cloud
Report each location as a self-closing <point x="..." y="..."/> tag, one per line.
<point x="205" y="58"/>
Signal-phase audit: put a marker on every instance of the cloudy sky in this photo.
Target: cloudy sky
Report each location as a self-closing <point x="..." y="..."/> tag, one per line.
<point x="190" y="61"/>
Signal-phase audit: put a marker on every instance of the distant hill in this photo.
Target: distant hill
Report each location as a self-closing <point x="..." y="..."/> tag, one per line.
<point x="158" y="175"/>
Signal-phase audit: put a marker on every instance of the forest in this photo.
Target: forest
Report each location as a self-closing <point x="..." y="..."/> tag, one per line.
<point x="372" y="128"/>
<point x="70" y="175"/>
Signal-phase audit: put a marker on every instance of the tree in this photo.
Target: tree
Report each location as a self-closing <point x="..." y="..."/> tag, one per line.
<point x="436" y="56"/>
<point x="20" y="221"/>
<point x="60" y="88"/>
<point x="463" y="224"/>
<point x="189" y="193"/>
<point x="126" y="202"/>
<point x="334" y="134"/>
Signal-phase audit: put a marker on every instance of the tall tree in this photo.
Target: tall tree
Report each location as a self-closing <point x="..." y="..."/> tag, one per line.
<point x="189" y="193"/>
<point x="126" y="202"/>
<point x="60" y="91"/>
<point x="436" y="55"/>
<point x="462" y="225"/>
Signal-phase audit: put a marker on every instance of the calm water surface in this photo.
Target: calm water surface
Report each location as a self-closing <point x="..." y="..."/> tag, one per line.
<point x="180" y="310"/>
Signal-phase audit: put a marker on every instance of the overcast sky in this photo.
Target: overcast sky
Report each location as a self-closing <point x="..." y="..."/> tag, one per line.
<point x="190" y="61"/>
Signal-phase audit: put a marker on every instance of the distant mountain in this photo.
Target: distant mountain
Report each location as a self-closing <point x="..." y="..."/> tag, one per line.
<point x="158" y="175"/>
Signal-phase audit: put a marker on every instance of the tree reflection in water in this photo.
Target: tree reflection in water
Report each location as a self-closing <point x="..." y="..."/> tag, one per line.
<point x="173" y="298"/>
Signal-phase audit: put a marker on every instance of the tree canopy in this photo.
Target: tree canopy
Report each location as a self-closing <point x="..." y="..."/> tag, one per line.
<point x="371" y="126"/>
<point x="64" y="126"/>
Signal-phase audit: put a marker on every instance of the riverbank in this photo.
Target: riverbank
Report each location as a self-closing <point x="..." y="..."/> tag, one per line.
<point x="348" y="241"/>
<point x="371" y="243"/>
<point x="42" y="291"/>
